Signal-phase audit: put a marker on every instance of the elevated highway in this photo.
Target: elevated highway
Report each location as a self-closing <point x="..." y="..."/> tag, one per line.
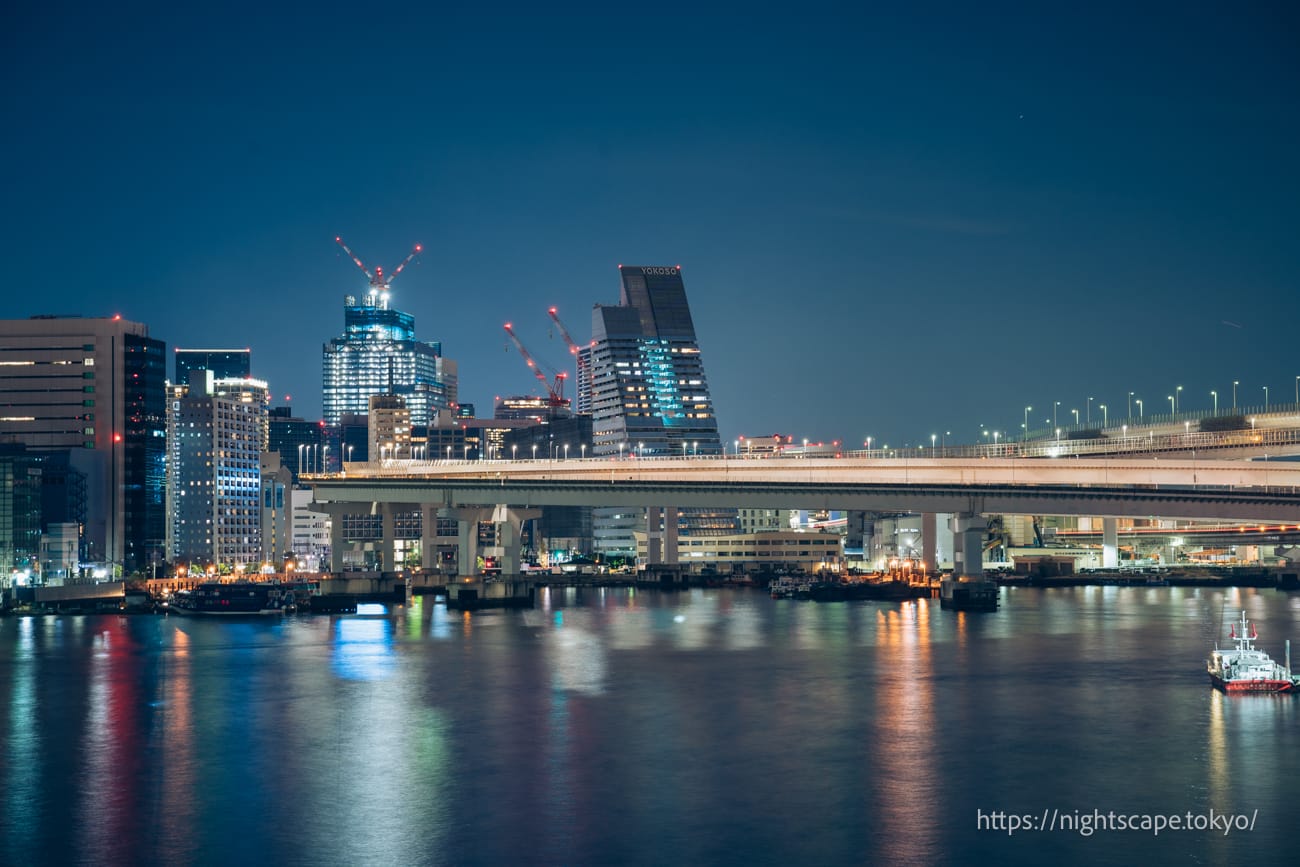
<point x="1134" y="488"/>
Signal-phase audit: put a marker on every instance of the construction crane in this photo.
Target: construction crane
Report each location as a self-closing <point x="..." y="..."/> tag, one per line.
<point x="379" y="284"/>
<point x="574" y="349"/>
<point x="554" y="393"/>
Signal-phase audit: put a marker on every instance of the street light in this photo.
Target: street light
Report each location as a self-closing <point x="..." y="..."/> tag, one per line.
<point x="933" y="437"/>
<point x="1026" y="424"/>
<point x="1172" y="411"/>
<point x="566" y="451"/>
<point x="695" y="448"/>
<point x="1076" y="417"/>
<point x="1141" y="412"/>
<point x="1235" y="383"/>
<point x="1215" y="395"/>
<point x="514" y="451"/>
<point x="1177" y="397"/>
<point x="534" y="451"/>
<point x="1130" y="406"/>
<point x="1105" y="417"/>
<point x="1055" y="406"/>
<point x="584" y="451"/>
<point x="1087" y="415"/>
<point x="300" y="447"/>
<point x="350" y="448"/>
<point x="620" y="450"/>
<point x="1266" y="398"/>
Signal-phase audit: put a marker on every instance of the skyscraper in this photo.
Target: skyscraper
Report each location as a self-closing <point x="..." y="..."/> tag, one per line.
<point x="94" y="388"/>
<point x="649" y="395"/>
<point x="378" y="354"/>
<point x="648" y="390"/>
<point x="215" y="476"/>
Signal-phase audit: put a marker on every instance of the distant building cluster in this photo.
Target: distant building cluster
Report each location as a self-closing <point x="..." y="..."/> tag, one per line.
<point x="113" y="468"/>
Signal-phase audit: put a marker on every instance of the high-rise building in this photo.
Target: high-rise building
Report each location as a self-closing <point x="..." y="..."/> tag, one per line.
<point x="648" y="390"/>
<point x="378" y="354"/>
<point x="95" y="388"/>
<point x="294" y="438"/>
<point x="649" y="395"/>
<point x="215" y="478"/>
<point x="389" y="427"/>
<point x="224" y="363"/>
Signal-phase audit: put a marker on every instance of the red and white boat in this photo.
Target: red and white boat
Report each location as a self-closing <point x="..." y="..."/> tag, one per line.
<point x="1245" y="669"/>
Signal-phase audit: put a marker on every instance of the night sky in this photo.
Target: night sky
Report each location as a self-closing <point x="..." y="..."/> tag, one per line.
<point x="894" y="220"/>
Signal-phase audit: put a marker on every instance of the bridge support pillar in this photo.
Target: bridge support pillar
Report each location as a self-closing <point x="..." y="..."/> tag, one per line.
<point x="428" y="537"/>
<point x="336" y="541"/>
<point x="510" y="522"/>
<point x="387" y="539"/>
<point x="968" y="544"/>
<point x="929" y="541"/>
<point x="661" y="535"/>
<point x="1109" y="543"/>
<point x="467" y="521"/>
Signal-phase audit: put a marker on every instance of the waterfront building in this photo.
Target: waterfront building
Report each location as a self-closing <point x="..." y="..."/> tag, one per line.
<point x="378" y="354"/>
<point x="223" y="363"/>
<point x="94" y="389"/>
<point x="649" y="396"/>
<point x="214" y="469"/>
<point x="20" y="514"/>
<point x="277" y="510"/>
<point x="744" y="552"/>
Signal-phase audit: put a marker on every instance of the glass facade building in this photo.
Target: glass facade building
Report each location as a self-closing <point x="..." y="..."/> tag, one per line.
<point x="648" y="395"/>
<point x="224" y="363"/>
<point x="378" y="354"/>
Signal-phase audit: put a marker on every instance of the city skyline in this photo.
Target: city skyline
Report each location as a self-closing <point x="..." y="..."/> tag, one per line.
<point x="902" y="224"/>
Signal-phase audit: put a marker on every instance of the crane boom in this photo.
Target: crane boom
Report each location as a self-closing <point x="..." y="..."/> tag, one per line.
<point x="554" y="393"/>
<point x="564" y="332"/>
<point x="354" y="258"/>
<point x="379" y="282"/>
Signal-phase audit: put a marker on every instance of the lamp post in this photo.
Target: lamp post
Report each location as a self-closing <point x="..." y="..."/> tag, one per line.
<point x="584" y="451"/>
<point x="1235" y="383"/>
<point x="350" y="448"/>
<point x="1026" y="424"/>
<point x="1297" y="391"/>
<point x="566" y="451"/>
<point x="1215" y="395"/>
<point x="300" y="446"/>
<point x="325" y="462"/>
<point x="1177" y="397"/>
<point x="514" y="451"/>
<point x="1076" y="417"/>
<point x="1087" y="415"/>
<point x="1055" y="406"/>
<point x="1130" y="406"/>
<point x="933" y="437"/>
<point x="620" y="450"/>
<point x="868" y="443"/>
<point x="1141" y="411"/>
<point x="640" y="450"/>
<point x="534" y="451"/>
<point x="1266" y="398"/>
<point x="1105" y="417"/>
<point x="1172" y="411"/>
<point x="695" y="448"/>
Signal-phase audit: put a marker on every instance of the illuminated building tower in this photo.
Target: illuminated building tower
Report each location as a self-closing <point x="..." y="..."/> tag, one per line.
<point x="649" y="395"/>
<point x="378" y="354"/>
<point x="94" y="389"/>
<point x="215" y="477"/>
<point x="648" y="391"/>
<point x="389" y="427"/>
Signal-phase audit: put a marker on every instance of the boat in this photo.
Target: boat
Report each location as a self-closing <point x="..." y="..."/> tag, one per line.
<point x="1245" y="669"/>
<point x="968" y="594"/>
<point x="242" y="598"/>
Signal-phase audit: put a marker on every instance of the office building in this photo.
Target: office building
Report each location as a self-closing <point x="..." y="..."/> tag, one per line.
<point x="378" y="354"/>
<point x="293" y="438"/>
<point x="223" y="363"/>
<point x="94" y="388"/>
<point x="389" y="427"/>
<point x="215" y="478"/>
<point x="649" y="395"/>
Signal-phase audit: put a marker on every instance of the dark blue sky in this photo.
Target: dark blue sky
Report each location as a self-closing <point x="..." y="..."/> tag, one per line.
<point x="892" y="221"/>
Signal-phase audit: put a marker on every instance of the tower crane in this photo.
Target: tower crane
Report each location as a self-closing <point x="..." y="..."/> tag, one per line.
<point x="554" y="393"/>
<point x="574" y="349"/>
<point x="379" y="284"/>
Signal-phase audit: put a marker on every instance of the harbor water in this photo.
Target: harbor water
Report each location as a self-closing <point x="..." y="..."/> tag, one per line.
<point x="638" y="727"/>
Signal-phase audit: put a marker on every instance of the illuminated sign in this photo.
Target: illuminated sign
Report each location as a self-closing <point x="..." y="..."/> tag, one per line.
<point x="659" y="271"/>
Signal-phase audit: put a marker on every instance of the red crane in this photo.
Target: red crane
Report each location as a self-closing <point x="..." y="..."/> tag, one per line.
<point x="574" y="349"/>
<point x="379" y="284"/>
<point x="554" y="393"/>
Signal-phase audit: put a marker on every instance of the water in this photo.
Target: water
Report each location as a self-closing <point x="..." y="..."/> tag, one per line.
<point x="634" y="727"/>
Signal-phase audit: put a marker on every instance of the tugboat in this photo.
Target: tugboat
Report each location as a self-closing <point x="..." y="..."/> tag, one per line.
<point x="1246" y="669"/>
<point x="242" y="598"/>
